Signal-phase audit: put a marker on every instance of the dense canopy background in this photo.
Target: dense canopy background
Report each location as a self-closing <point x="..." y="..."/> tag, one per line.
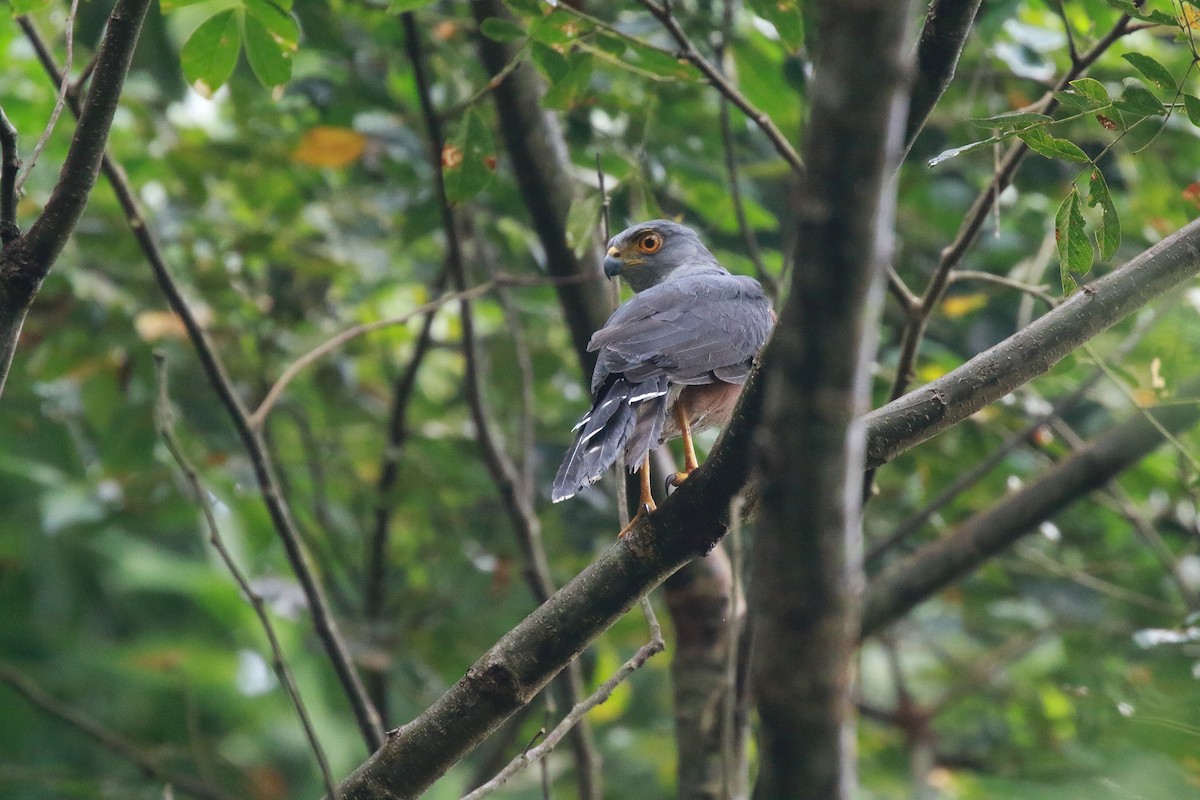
<point x="280" y="157"/>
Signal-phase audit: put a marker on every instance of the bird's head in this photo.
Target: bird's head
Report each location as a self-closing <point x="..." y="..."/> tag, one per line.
<point x="646" y="253"/>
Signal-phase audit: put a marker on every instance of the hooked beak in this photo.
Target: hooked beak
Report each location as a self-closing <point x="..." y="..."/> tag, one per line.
<point x="613" y="263"/>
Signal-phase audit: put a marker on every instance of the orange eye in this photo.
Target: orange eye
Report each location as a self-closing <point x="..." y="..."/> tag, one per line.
<point x="650" y="242"/>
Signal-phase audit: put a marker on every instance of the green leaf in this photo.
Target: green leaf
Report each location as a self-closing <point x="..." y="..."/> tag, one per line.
<point x="270" y="58"/>
<point x="1074" y="250"/>
<point x="501" y="30"/>
<point x="1138" y="101"/>
<point x="784" y="15"/>
<point x="1191" y="105"/>
<point x="566" y="92"/>
<point x="1108" y="237"/>
<point x="210" y="53"/>
<point x="1155" y="72"/>
<point x="609" y="43"/>
<point x="1012" y="118"/>
<point x="1043" y="143"/>
<point x="549" y="61"/>
<point x="468" y="159"/>
<point x="1160" y="17"/>
<point x="1085" y="94"/>
<point x="277" y="20"/>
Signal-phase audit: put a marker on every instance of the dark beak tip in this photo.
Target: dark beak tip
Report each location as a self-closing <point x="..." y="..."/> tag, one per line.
<point x="612" y="266"/>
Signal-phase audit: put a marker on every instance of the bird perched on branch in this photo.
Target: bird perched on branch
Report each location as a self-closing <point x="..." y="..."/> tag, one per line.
<point x="672" y="360"/>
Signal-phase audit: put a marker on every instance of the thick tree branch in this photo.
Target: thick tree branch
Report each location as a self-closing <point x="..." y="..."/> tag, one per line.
<point x="26" y="260"/>
<point x="968" y="231"/>
<point x="264" y="470"/>
<point x="691" y="521"/>
<point x="946" y="27"/>
<point x="1033" y="350"/>
<point x="935" y="566"/>
<point x="807" y="558"/>
<point x="543" y="171"/>
<point x="10" y="165"/>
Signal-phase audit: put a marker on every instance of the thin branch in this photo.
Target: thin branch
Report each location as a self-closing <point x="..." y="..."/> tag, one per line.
<point x="694" y="518"/>
<point x="724" y="64"/>
<point x="1039" y="292"/>
<point x="533" y="755"/>
<point x="109" y="740"/>
<point x="59" y="101"/>
<point x="540" y="165"/>
<point x="277" y="507"/>
<point x="516" y="494"/>
<point x="1031" y="351"/>
<point x="27" y="259"/>
<point x="374" y="590"/>
<point x="914" y="579"/>
<point x="165" y="422"/>
<point x="914" y="331"/>
<point x="10" y="164"/>
<point x="688" y="51"/>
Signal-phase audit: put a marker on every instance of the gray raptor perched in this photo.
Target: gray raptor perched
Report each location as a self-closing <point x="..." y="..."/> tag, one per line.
<point x="672" y="360"/>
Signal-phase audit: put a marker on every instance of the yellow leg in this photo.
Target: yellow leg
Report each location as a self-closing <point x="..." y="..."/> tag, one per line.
<point x="689" y="448"/>
<point x="645" y="501"/>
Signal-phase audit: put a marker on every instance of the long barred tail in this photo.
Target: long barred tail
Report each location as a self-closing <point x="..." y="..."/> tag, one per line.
<point x="618" y="419"/>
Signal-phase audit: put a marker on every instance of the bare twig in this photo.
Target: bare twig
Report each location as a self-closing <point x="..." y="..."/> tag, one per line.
<point x="688" y="51"/>
<point x="281" y="517"/>
<point x="517" y="495"/>
<point x="165" y="422"/>
<point x="10" y="164"/>
<point x="354" y="331"/>
<point x="374" y="591"/>
<point x="26" y="260"/>
<point x="61" y="99"/>
<point x="731" y="167"/>
<point x="950" y="257"/>
<point x="109" y="740"/>
<point x="535" y="754"/>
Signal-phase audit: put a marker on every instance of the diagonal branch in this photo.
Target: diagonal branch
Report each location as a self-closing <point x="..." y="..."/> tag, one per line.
<point x="947" y="24"/>
<point x="517" y="496"/>
<point x="691" y="521"/>
<point x="968" y="231"/>
<point x="25" y="261"/>
<point x="264" y="469"/>
<point x="165" y="421"/>
<point x="687" y="50"/>
<point x="935" y="566"/>
<point x="1033" y="350"/>
<point x="542" y="169"/>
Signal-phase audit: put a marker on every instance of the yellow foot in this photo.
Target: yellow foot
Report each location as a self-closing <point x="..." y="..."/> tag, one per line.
<point x="646" y="508"/>
<point x="676" y="478"/>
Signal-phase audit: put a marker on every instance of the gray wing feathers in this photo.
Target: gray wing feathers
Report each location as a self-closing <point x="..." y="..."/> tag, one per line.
<point x="687" y="330"/>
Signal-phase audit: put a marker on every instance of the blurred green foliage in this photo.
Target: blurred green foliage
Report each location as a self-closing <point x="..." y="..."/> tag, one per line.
<point x="291" y="214"/>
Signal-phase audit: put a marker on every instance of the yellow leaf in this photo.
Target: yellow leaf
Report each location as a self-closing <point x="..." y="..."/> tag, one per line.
<point x="153" y="326"/>
<point x="327" y="146"/>
<point x="930" y="372"/>
<point x="962" y="304"/>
